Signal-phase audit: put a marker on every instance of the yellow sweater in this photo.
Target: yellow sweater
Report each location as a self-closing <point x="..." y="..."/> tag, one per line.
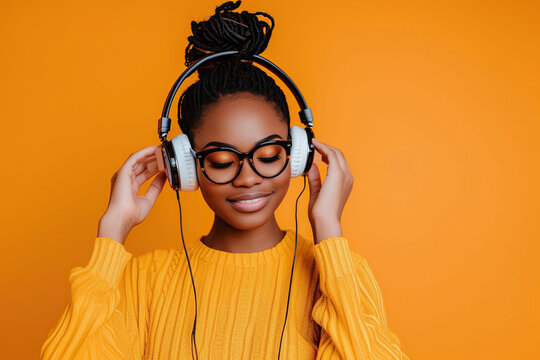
<point x="125" y="307"/>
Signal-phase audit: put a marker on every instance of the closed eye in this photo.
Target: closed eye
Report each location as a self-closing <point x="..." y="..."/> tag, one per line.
<point x="217" y="165"/>
<point x="269" y="159"/>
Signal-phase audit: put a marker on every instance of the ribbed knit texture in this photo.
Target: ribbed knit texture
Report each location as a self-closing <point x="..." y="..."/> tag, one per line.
<point x="125" y="307"/>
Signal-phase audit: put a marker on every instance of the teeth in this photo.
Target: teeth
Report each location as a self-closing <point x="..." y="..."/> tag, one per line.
<point x="250" y="201"/>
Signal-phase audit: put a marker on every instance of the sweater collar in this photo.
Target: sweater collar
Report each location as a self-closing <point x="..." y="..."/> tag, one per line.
<point x="282" y="250"/>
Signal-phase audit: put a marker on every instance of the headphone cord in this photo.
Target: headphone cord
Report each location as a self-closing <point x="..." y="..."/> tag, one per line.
<point x="294" y="258"/>
<point x="193" y="342"/>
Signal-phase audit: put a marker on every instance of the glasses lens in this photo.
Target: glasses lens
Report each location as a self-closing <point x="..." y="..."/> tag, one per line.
<point x="221" y="166"/>
<point x="270" y="159"/>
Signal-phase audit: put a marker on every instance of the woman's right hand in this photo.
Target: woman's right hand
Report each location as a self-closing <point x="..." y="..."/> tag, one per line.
<point x="126" y="209"/>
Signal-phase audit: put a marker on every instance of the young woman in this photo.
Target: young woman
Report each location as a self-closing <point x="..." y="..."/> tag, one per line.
<point x="125" y="307"/>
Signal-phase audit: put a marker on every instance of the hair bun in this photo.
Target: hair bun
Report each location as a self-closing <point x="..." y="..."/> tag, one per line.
<point x="227" y="30"/>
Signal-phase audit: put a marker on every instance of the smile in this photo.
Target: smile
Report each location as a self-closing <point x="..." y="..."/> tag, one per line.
<point x="250" y="205"/>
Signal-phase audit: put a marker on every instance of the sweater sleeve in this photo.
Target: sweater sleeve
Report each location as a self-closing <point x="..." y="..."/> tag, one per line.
<point x="350" y="310"/>
<point x="106" y="314"/>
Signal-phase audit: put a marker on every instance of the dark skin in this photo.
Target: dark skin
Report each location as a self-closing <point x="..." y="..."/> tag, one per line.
<point x="240" y="120"/>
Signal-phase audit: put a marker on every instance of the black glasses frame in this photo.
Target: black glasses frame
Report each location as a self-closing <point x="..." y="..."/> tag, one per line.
<point x="201" y="155"/>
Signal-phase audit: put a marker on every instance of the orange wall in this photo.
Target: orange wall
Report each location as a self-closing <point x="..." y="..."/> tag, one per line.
<point x="434" y="105"/>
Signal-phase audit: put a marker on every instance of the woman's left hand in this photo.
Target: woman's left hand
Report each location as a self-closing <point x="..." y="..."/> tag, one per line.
<point x="326" y="201"/>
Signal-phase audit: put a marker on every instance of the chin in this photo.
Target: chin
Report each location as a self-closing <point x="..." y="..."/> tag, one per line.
<point x="247" y="224"/>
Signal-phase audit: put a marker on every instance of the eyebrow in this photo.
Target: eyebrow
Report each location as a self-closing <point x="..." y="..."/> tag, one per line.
<point x="218" y="143"/>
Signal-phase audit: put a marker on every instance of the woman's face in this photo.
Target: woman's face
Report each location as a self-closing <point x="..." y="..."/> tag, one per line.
<point x="242" y="120"/>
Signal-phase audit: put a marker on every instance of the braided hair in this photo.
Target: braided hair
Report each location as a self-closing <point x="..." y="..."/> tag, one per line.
<point x="224" y="31"/>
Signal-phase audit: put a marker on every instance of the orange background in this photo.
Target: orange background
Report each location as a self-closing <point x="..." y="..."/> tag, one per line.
<point x="434" y="105"/>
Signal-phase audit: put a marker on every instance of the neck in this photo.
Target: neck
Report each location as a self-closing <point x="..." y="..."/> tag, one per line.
<point x="224" y="237"/>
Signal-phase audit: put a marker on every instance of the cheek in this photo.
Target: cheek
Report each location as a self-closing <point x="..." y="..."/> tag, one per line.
<point x="281" y="184"/>
<point x="212" y="193"/>
<point x="206" y="184"/>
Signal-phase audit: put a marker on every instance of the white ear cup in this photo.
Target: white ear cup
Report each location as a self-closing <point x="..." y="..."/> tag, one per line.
<point x="187" y="171"/>
<point x="299" y="150"/>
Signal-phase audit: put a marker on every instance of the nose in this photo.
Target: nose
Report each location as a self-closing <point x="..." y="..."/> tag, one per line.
<point x="247" y="177"/>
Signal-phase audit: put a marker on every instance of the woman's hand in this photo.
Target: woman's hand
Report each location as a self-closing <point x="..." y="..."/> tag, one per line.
<point x="326" y="201"/>
<point x="127" y="209"/>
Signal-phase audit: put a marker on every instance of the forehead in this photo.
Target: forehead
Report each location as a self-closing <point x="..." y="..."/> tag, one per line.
<point x="240" y="120"/>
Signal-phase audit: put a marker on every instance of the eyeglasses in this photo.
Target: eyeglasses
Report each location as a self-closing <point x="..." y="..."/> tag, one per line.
<point x="221" y="165"/>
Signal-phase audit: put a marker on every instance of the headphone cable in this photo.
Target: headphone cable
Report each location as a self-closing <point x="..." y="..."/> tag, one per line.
<point x="193" y="341"/>
<point x="294" y="258"/>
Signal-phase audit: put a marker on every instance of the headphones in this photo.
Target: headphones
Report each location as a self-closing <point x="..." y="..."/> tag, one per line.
<point x="177" y="154"/>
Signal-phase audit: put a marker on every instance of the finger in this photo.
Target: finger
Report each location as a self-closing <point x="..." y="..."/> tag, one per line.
<point x="125" y="174"/>
<point x="314" y="178"/>
<point x="347" y="178"/>
<point x="323" y="149"/>
<point x="317" y="157"/>
<point x="140" y="155"/>
<point x="142" y="162"/>
<point x="340" y="157"/>
<point x="113" y="180"/>
<point x="155" y="187"/>
<point x="342" y="160"/>
<point x="144" y="175"/>
<point x="329" y="156"/>
<point x="150" y="161"/>
<point x="321" y="153"/>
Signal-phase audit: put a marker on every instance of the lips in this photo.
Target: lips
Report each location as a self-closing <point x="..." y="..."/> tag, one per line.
<point x="249" y="202"/>
<point x="248" y="196"/>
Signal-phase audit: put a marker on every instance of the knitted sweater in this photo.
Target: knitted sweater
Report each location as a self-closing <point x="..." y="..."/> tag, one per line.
<point x="126" y="307"/>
